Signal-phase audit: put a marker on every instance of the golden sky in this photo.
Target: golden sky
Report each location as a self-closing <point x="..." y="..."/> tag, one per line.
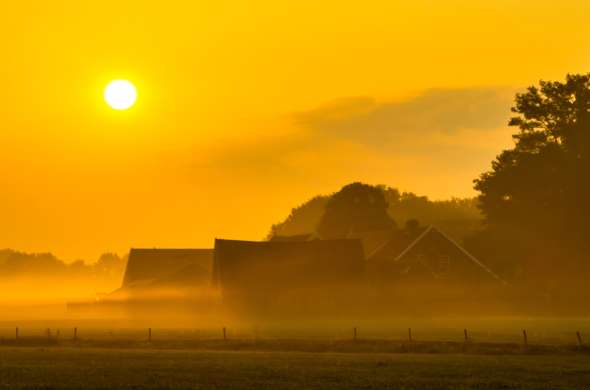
<point x="246" y="109"/>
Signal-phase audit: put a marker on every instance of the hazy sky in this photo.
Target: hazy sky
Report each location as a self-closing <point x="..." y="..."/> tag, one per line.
<point x="249" y="108"/>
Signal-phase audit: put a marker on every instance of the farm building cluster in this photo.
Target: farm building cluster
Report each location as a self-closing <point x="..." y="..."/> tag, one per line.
<point x="301" y="271"/>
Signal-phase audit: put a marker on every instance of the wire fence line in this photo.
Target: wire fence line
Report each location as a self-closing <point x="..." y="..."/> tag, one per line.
<point x="354" y="334"/>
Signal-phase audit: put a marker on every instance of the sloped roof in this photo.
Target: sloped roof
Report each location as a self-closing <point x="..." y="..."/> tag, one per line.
<point x="431" y="230"/>
<point x="147" y="265"/>
<point x="297" y="237"/>
<point x="373" y="241"/>
<point x="399" y="249"/>
<point x="389" y="247"/>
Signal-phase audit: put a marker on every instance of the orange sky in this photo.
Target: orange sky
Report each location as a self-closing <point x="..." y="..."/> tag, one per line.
<point x="247" y="109"/>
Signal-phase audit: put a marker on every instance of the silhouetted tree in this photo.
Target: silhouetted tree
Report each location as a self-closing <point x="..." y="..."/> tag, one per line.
<point x="355" y="208"/>
<point x="457" y="217"/>
<point x="540" y="187"/>
<point x="302" y="219"/>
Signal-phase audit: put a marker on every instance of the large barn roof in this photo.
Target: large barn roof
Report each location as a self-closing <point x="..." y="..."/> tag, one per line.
<point x="275" y="265"/>
<point x="406" y="252"/>
<point x="145" y="265"/>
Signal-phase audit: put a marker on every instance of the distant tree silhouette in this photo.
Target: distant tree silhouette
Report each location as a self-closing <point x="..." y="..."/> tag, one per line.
<point x="109" y="265"/>
<point x="356" y="208"/>
<point x="457" y="217"/>
<point x="540" y="187"/>
<point x="107" y="271"/>
<point x="302" y="220"/>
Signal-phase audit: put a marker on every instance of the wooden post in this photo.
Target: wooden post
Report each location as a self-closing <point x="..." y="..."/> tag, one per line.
<point x="75" y="334"/>
<point x="150" y="335"/>
<point x="48" y="333"/>
<point x="579" y="339"/>
<point x="57" y="334"/>
<point x="355" y="333"/>
<point x="466" y="335"/>
<point x="224" y="334"/>
<point x="525" y="338"/>
<point x="410" y="335"/>
<point x="16" y="333"/>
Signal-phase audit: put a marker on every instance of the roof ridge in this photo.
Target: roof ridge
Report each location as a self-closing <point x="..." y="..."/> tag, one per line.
<point x="471" y="257"/>
<point x="376" y="250"/>
<point x="171" y="249"/>
<point x="463" y="250"/>
<point x="416" y="241"/>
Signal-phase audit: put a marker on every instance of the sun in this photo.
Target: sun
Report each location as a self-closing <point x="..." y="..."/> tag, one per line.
<point x="120" y="94"/>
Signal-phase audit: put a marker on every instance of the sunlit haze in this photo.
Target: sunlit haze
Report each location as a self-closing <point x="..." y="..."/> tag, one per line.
<point x="248" y="109"/>
<point x="295" y="194"/>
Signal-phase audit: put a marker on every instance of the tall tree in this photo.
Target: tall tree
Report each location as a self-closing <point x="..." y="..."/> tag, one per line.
<point x="540" y="187"/>
<point x="356" y="208"/>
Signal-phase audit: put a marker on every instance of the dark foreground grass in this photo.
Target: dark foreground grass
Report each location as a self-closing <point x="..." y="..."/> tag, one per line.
<point x="306" y="345"/>
<point x="148" y="368"/>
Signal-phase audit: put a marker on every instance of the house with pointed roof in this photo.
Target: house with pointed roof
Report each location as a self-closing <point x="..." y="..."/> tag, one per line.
<point x="429" y="256"/>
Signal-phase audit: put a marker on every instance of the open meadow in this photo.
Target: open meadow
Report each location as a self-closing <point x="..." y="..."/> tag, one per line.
<point x="154" y="368"/>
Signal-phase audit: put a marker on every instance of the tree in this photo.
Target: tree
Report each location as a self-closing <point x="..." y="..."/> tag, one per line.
<point x="412" y="226"/>
<point x="539" y="188"/>
<point x="302" y="219"/>
<point x="457" y="217"/>
<point x="356" y="208"/>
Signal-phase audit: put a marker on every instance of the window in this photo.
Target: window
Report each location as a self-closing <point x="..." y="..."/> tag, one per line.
<point x="443" y="264"/>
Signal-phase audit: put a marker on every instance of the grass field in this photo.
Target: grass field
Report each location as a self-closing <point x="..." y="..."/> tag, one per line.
<point x="309" y="356"/>
<point x="148" y="368"/>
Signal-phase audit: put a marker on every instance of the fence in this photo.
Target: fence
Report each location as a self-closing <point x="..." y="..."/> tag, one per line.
<point x="466" y="339"/>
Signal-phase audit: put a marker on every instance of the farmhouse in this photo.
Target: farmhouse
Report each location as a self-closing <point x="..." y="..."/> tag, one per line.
<point x="428" y="256"/>
<point x="303" y="273"/>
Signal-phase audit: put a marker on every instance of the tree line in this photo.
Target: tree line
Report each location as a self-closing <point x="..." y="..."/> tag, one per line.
<point x="536" y="198"/>
<point x="457" y="216"/>
<point x="15" y="265"/>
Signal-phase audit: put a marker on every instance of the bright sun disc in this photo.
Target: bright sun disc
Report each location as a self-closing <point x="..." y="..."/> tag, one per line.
<point x="120" y="94"/>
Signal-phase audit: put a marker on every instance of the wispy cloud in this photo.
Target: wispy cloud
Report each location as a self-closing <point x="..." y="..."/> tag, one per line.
<point x="435" y="143"/>
<point x="446" y="113"/>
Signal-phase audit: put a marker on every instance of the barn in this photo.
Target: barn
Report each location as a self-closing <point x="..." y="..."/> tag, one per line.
<point x="162" y="276"/>
<point x="172" y="281"/>
<point x="252" y="273"/>
<point x="307" y="275"/>
<point x="169" y="267"/>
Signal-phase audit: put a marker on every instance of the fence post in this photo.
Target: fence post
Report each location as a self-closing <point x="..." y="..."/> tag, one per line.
<point x="410" y="335"/>
<point x="525" y="338"/>
<point x="48" y="333"/>
<point x="466" y="335"/>
<point x="355" y="333"/>
<point x="16" y="333"/>
<point x="579" y="339"/>
<point x="224" y="334"/>
<point x="75" y="334"/>
<point x="150" y="335"/>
